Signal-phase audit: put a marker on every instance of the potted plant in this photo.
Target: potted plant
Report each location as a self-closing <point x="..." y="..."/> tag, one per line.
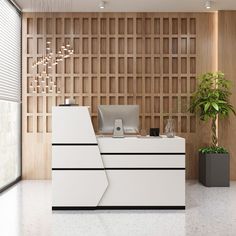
<point x="211" y="101"/>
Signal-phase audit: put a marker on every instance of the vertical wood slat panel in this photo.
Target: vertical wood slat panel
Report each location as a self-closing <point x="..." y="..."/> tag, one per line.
<point x="226" y="52"/>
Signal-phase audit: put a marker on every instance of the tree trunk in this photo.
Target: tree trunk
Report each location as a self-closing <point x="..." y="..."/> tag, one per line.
<point x="213" y="132"/>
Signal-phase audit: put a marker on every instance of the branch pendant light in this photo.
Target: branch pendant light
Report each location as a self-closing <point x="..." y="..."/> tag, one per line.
<point x="44" y="81"/>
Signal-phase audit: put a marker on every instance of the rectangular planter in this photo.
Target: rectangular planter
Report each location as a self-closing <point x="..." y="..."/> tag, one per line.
<point x="214" y="169"/>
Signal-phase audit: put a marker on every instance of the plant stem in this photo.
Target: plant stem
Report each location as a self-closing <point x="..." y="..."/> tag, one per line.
<point x="213" y="132"/>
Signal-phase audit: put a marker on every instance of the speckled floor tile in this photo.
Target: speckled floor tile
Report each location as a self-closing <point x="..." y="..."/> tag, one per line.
<point x="25" y="210"/>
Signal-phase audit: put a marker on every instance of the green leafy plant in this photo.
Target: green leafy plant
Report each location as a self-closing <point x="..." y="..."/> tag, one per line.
<point x="213" y="150"/>
<point x="211" y="100"/>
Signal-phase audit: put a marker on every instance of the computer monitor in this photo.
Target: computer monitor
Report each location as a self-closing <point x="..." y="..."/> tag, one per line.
<point x="118" y="119"/>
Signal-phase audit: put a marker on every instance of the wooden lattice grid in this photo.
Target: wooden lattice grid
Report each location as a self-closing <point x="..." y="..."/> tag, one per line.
<point x="144" y="59"/>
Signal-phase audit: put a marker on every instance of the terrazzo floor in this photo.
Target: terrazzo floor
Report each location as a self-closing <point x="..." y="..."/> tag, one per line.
<point x="25" y="210"/>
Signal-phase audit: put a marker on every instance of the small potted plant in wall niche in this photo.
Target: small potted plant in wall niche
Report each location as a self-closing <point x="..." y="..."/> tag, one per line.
<point x="211" y="101"/>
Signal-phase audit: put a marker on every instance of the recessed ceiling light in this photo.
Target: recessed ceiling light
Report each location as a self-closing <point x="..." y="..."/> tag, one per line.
<point x="208" y="4"/>
<point x="102" y="4"/>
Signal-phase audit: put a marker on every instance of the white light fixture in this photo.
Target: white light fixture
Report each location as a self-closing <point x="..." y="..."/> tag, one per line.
<point x="208" y="4"/>
<point x="102" y="4"/>
<point x="43" y="81"/>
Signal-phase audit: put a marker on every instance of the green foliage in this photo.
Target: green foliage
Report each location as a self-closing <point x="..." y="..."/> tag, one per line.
<point x="209" y="150"/>
<point x="212" y="97"/>
<point x="211" y="100"/>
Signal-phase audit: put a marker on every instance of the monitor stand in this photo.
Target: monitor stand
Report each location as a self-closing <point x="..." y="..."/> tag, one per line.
<point x="118" y="131"/>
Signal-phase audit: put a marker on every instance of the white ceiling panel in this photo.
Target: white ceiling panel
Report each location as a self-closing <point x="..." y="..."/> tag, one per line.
<point x="124" y="5"/>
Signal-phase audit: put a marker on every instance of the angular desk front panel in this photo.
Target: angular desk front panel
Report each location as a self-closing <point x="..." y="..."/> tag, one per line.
<point x="78" y="175"/>
<point x="105" y="172"/>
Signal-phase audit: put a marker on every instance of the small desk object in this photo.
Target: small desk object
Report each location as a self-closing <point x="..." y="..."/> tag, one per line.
<point x="90" y="172"/>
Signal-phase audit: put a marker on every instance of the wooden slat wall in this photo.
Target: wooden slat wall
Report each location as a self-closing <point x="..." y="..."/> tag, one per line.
<point x="227" y="55"/>
<point x="149" y="59"/>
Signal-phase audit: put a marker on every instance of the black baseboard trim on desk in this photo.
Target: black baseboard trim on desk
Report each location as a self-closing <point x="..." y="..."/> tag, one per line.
<point x="71" y="208"/>
<point x="10" y="184"/>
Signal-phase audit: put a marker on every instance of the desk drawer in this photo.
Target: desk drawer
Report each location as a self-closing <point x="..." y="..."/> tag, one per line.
<point x="145" y="188"/>
<point x="76" y="157"/>
<point x="78" y="187"/>
<point x="141" y="145"/>
<point x="144" y="161"/>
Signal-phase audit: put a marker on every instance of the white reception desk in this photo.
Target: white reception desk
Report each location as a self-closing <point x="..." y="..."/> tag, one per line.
<point x="90" y="172"/>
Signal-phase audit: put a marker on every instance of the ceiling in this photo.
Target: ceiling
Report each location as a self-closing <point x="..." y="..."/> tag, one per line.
<point x="123" y="5"/>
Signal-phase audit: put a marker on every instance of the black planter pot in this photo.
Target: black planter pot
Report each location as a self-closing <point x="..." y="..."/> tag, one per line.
<point x="214" y="169"/>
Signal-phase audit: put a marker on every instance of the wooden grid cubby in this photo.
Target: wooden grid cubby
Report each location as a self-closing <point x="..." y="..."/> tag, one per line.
<point x="144" y="59"/>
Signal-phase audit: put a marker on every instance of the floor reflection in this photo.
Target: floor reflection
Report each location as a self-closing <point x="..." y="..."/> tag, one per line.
<point x="119" y="223"/>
